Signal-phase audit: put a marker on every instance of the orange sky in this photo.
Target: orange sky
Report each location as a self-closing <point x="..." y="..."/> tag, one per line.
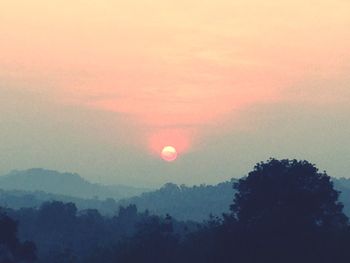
<point x="177" y="69"/>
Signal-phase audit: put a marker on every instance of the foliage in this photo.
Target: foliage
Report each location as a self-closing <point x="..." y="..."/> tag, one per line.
<point x="186" y="203"/>
<point x="287" y="194"/>
<point x="11" y="249"/>
<point x="282" y="211"/>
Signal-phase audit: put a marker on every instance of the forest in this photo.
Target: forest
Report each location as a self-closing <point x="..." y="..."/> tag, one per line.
<point x="282" y="211"/>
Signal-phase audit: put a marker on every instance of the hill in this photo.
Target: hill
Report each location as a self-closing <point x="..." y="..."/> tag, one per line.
<point x="186" y="203"/>
<point x="343" y="185"/>
<point x="182" y="202"/>
<point x="197" y="202"/>
<point x="68" y="184"/>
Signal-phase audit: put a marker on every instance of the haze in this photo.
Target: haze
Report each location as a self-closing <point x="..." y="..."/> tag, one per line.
<point x="98" y="88"/>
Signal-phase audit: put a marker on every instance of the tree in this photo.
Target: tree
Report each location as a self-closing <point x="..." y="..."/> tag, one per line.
<point x="154" y="241"/>
<point x="288" y="211"/>
<point x="11" y="249"/>
<point x="287" y="193"/>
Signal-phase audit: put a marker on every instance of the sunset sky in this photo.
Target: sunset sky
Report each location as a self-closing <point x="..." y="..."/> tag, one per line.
<point x="100" y="87"/>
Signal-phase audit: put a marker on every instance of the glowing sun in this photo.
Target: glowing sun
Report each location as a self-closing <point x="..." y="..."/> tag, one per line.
<point x="169" y="153"/>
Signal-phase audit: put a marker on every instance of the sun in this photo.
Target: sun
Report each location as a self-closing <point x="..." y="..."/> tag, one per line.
<point x="169" y="153"/>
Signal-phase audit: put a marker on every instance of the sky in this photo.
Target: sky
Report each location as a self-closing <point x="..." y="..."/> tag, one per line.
<point x="100" y="87"/>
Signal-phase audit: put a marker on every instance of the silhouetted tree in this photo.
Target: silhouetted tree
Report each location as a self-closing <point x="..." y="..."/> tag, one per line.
<point x="154" y="242"/>
<point x="287" y="193"/>
<point x="11" y="249"/>
<point x="287" y="211"/>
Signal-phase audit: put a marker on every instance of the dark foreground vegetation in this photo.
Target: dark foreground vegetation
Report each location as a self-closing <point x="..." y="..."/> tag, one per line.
<point x="283" y="211"/>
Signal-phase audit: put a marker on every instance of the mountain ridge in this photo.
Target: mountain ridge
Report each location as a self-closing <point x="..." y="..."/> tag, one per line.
<point x="71" y="184"/>
<point x="180" y="201"/>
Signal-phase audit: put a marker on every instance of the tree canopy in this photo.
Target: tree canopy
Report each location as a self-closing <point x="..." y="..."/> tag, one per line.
<point x="11" y="249"/>
<point x="288" y="211"/>
<point x="288" y="194"/>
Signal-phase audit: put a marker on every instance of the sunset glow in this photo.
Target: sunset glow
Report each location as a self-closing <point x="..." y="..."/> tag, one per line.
<point x="176" y="72"/>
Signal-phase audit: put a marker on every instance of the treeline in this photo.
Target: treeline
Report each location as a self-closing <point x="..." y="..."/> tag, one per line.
<point x="18" y="199"/>
<point x="61" y="233"/>
<point x="182" y="202"/>
<point x="283" y="211"/>
<point x="186" y="203"/>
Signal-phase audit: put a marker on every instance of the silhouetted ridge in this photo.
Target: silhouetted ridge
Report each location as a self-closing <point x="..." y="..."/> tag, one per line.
<point x="186" y="203"/>
<point x="70" y="184"/>
<point x="182" y="202"/>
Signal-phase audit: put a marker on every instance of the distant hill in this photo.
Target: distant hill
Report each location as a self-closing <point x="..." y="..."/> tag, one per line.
<point x="343" y="185"/>
<point x="344" y="182"/>
<point x="196" y="203"/>
<point x="68" y="184"/>
<point x="186" y="203"/>
<point x="182" y="202"/>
